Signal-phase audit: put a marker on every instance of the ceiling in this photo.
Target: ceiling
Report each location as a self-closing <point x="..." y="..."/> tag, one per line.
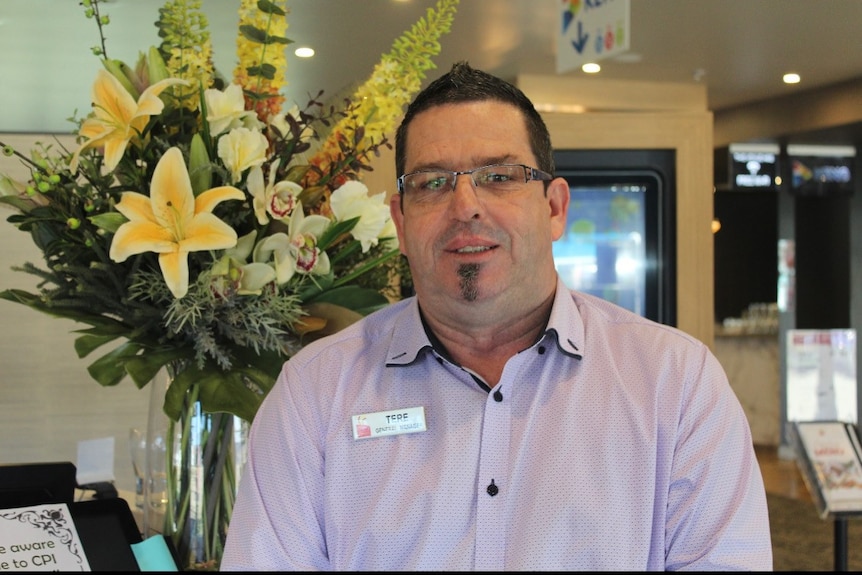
<point x="738" y="48"/>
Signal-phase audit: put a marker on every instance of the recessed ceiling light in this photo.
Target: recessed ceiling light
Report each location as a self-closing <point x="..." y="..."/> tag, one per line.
<point x="304" y="52"/>
<point x="591" y="68"/>
<point x="791" y="78"/>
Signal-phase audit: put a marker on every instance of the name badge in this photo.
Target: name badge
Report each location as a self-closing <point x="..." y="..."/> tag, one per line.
<point x="394" y="422"/>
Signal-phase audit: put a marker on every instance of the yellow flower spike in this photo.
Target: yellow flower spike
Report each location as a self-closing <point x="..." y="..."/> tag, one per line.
<point x="117" y="118"/>
<point x="172" y="222"/>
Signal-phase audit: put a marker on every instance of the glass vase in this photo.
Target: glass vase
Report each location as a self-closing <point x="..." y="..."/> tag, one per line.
<point x="204" y="454"/>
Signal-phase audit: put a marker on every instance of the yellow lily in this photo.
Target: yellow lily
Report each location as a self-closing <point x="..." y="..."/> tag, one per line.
<point x="117" y="117"/>
<point x="173" y="222"/>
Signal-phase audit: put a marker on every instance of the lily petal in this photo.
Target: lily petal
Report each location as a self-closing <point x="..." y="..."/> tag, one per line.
<point x="175" y="269"/>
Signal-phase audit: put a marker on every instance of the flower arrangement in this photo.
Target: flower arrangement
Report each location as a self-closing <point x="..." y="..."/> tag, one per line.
<point x="198" y="224"/>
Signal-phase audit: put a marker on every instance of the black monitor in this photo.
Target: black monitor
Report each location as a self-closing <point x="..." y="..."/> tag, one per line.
<point x="25" y="484"/>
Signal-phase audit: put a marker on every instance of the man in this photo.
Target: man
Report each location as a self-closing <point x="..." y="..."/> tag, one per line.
<point x="496" y="420"/>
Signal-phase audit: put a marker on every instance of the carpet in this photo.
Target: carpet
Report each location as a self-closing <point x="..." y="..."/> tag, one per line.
<point x="802" y="541"/>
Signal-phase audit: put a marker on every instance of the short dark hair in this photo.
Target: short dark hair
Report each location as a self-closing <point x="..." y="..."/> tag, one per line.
<point x="466" y="84"/>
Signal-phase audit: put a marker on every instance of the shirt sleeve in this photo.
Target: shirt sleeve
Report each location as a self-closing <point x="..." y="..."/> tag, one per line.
<point x="717" y="516"/>
<point x="276" y="521"/>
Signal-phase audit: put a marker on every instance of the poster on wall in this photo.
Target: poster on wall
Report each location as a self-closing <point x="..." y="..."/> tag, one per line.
<point x="821" y="375"/>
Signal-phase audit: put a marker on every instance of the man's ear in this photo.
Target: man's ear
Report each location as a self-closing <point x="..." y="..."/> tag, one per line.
<point x="558" y="199"/>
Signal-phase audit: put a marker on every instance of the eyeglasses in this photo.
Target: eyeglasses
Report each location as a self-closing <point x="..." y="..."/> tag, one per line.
<point x="498" y="179"/>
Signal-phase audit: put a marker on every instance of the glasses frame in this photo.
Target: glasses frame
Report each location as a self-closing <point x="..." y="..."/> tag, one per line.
<point x="530" y="174"/>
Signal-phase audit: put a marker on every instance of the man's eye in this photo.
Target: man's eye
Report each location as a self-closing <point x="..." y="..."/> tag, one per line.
<point x="434" y="184"/>
<point x="494" y="178"/>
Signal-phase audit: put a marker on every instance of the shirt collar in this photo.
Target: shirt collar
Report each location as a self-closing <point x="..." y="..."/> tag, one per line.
<point x="565" y="326"/>
<point x="408" y="337"/>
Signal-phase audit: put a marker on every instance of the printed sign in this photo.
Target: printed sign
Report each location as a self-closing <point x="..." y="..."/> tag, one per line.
<point x="591" y="30"/>
<point x="40" y="538"/>
<point x="821" y="375"/>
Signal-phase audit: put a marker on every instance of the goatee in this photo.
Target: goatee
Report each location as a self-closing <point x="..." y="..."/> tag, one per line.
<point x="469" y="274"/>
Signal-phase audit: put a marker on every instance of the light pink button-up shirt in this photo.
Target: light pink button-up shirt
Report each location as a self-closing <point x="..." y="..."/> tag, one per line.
<point x="615" y="443"/>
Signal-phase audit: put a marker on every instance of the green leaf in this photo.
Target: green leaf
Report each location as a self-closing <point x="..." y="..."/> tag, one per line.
<point x="258" y="36"/>
<point x="253" y="33"/>
<point x="109" y="370"/>
<point x="269" y="8"/>
<point x="121" y="71"/>
<point x="200" y="170"/>
<point x="265" y="70"/>
<point x="228" y="392"/>
<point x="17" y="203"/>
<point x="157" y="70"/>
<point x="110" y="222"/>
<point x="86" y="344"/>
<point x="335" y="231"/>
<point x="35" y="302"/>
<point x="321" y="284"/>
<point x="144" y="367"/>
<point x="235" y="391"/>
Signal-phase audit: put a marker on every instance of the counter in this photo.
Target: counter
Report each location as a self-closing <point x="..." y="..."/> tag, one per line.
<point x="751" y="361"/>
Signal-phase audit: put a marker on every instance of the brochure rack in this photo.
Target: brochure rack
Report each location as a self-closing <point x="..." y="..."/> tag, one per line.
<point x="829" y="455"/>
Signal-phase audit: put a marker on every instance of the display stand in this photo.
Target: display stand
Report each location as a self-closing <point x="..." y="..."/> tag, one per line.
<point x="829" y="455"/>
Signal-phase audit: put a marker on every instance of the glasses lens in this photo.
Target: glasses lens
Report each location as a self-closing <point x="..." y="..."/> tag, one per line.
<point x="500" y="178"/>
<point x="424" y="183"/>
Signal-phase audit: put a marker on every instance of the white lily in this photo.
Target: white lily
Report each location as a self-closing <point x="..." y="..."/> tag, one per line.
<point x="240" y="149"/>
<point x="226" y="110"/>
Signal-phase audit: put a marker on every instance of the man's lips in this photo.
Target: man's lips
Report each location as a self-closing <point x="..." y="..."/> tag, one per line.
<point x="465" y="246"/>
<point x="472" y="249"/>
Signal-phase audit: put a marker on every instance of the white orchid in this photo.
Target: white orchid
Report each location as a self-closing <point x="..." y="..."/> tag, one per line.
<point x="277" y="199"/>
<point x="296" y="251"/>
<point x="351" y="200"/>
<point x="245" y="278"/>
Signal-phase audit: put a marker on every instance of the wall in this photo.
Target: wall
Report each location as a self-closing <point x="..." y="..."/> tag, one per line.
<point x="49" y="402"/>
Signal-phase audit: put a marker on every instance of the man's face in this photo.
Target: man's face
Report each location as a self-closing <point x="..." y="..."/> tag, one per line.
<point x="471" y="246"/>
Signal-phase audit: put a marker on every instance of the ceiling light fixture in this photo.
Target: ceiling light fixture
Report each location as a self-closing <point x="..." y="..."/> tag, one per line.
<point x="791" y="78"/>
<point x="304" y="52"/>
<point x="591" y="68"/>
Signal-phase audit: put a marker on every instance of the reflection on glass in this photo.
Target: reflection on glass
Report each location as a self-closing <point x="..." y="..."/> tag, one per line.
<point x="603" y="250"/>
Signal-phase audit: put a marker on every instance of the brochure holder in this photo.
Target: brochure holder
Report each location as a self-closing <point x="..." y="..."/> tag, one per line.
<point x="829" y="456"/>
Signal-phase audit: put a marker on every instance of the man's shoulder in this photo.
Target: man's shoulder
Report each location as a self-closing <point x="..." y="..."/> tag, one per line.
<point x="600" y="313"/>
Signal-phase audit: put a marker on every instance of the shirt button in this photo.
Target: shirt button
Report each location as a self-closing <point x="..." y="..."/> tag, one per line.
<point x="492" y="489"/>
<point x="498" y="396"/>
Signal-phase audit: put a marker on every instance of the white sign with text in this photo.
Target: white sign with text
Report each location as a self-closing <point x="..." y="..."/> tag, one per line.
<point x="40" y="538"/>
